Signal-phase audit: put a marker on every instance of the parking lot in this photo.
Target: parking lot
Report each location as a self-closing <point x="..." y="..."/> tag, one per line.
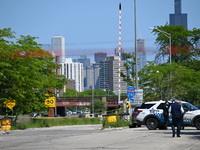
<point x="91" y="137"/>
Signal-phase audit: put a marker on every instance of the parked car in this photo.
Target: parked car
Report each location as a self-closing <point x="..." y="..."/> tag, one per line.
<point x="151" y="115"/>
<point x="74" y="112"/>
<point x="68" y="112"/>
<point x="86" y="112"/>
<point x="56" y="115"/>
<point x="86" y="116"/>
<point x="79" y="112"/>
<point x="134" y="115"/>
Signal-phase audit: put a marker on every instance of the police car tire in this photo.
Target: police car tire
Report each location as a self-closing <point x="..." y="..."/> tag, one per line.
<point x="197" y="123"/>
<point x="152" y="123"/>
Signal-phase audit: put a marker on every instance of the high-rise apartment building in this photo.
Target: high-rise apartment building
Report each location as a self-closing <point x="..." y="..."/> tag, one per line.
<point x="178" y="18"/>
<point x="100" y="56"/>
<point x="74" y="71"/>
<point x="109" y="74"/>
<point x="58" y="46"/>
<point x="141" y="51"/>
<point x="91" y="77"/>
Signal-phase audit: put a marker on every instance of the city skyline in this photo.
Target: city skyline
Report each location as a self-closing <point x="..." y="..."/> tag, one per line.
<point x="91" y="26"/>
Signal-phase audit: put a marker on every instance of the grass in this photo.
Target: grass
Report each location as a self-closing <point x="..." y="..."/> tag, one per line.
<point x="48" y="122"/>
<point x="120" y="122"/>
<point x="64" y="121"/>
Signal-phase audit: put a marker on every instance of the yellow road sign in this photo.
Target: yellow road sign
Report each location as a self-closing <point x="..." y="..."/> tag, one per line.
<point x="10" y="103"/>
<point x="128" y="105"/>
<point x="50" y="102"/>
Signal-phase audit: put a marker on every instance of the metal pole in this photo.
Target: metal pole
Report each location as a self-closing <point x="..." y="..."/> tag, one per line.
<point x="93" y="100"/>
<point x="170" y="49"/>
<point x="93" y="92"/>
<point x="136" y="61"/>
<point x="119" y="52"/>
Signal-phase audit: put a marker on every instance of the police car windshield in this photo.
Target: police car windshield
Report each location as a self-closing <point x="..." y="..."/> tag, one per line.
<point x="190" y="106"/>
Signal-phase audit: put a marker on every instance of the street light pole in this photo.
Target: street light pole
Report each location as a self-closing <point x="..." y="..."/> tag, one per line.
<point x="170" y="49"/>
<point x="170" y="41"/>
<point x="136" y="61"/>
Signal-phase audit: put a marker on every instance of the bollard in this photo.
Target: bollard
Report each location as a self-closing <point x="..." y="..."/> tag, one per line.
<point x="5" y="124"/>
<point x="110" y="118"/>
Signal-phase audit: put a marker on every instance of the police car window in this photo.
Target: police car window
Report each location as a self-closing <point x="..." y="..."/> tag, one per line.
<point x="146" y="106"/>
<point x="161" y="106"/>
<point x="190" y="106"/>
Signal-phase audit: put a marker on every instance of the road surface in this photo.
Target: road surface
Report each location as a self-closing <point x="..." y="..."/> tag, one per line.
<point x="91" y="137"/>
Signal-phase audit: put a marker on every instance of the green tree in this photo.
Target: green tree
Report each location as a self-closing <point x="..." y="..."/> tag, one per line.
<point x="70" y="93"/>
<point x="184" y="43"/>
<point x="129" y="66"/>
<point x="166" y="81"/>
<point x="26" y="73"/>
<point x="99" y="106"/>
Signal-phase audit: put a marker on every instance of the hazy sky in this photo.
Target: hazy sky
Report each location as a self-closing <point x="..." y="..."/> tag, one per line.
<point x="91" y="26"/>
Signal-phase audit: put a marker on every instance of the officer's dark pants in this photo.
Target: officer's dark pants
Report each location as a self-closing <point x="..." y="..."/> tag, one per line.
<point x="166" y="120"/>
<point x="176" y="122"/>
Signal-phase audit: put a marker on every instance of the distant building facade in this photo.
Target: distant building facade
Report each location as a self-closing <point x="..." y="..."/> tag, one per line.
<point x="83" y="59"/>
<point x="141" y="52"/>
<point x="91" y="77"/>
<point x="73" y="71"/>
<point x="100" y="56"/>
<point x="108" y="74"/>
<point x="122" y="53"/>
<point x="178" y="18"/>
<point x="58" y="46"/>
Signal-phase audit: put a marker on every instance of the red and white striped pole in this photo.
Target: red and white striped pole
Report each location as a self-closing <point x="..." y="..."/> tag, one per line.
<point x="119" y="52"/>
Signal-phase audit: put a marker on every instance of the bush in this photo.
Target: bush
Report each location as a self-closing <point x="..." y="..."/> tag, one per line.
<point x="48" y="122"/>
<point x="120" y="122"/>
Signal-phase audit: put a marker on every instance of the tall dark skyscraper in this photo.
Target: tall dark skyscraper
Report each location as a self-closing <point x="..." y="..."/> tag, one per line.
<point x="100" y="56"/>
<point x="178" y="18"/>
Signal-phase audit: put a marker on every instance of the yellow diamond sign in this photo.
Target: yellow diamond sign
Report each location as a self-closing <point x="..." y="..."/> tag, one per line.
<point x="10" y="103"/>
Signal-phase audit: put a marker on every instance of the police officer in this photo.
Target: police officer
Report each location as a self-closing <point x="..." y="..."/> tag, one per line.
<point x="166" y="113"/>
<point x="176" y="111"/>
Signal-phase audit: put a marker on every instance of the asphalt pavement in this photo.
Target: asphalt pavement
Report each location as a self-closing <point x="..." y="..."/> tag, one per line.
<point x="92" y="137"/>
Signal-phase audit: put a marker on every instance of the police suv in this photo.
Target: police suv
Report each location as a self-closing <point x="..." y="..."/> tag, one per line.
<point x="151" y="115"/>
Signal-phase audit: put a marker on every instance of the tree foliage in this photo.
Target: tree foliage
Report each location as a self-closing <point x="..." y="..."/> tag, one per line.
<point x="26" y="72"/>
<point x="181" y="78"/>
<point x="167" y="81"/>
<point x="185" y="43"/>
<point x="99" y="106"/>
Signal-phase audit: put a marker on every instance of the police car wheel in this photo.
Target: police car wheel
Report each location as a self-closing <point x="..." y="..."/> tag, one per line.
<point x="152" y="123"/>
<point x="197" y="123"/>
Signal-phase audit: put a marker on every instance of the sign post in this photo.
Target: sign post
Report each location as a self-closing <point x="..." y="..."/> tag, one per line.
<point x="139" y="97"/>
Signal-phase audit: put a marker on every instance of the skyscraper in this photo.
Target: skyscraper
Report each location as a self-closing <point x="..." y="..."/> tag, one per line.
<point x="91" y="77"/>
<point x="83" y="59"/>
<point x="100" y="56"/>
<point x="108" y="75"/>
<point x="141" y="50"/>
<point x="74" y="71"/>
<point x="122" y="53"/>
<point x="58" y="46"/>
<point x="178" y="18"/>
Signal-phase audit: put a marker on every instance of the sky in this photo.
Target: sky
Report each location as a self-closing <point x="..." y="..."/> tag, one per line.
<point x="91" y="26"/>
